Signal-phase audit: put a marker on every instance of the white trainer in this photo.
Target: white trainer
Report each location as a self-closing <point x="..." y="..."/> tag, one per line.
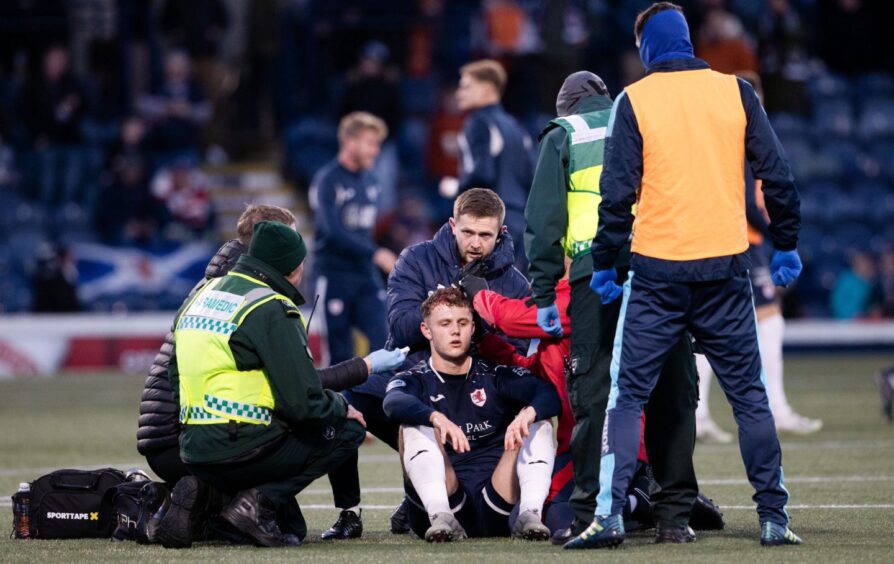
<point x="529" y="526"/>
<point x="707" y="431"/>
<point x="798" y="424"/>
<point x="444" y="528"/>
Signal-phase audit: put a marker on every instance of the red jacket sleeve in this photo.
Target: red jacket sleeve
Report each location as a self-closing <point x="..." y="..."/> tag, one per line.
<point x="515" y="318"/>
<point x="497" y="351"/>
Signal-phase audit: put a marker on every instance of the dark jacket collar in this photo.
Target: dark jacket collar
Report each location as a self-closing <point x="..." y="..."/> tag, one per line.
<point x="673" y="65"/>
<point x="503" y="256"/>
<point x="266" y="274"/>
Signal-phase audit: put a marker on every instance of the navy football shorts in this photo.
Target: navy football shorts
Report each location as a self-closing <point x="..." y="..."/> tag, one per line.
<point x="475" y="504"/>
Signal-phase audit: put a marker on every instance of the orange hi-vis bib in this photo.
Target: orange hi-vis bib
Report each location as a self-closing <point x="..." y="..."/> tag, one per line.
<point x="691" y="202"/>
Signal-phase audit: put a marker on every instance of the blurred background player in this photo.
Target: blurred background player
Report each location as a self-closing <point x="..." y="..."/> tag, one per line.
<point x="346" y="259"/>
<point x="561" y="222"/>
<point x="476" y="438"/>
<point x="495" y="148"/>
<point x="770" y="323"/>
<point x="349" y="267"/>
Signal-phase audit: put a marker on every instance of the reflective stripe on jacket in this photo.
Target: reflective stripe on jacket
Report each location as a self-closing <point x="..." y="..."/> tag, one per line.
<point x="212" y="389"/>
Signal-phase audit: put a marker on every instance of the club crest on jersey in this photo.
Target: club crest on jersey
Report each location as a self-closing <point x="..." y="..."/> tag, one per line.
<point x="479" y="397"/>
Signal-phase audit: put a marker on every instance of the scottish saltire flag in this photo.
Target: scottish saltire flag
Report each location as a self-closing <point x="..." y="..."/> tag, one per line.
<point x="119" y="273"/>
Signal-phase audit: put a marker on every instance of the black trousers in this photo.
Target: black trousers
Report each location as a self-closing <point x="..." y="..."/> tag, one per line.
<point x="167" y="465"/>
<point x="281" y="473"/>
<point x="670" y="424"/>
<point x="345" y="479"/>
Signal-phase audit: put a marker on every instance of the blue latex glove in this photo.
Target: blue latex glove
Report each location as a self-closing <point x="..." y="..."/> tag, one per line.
<point x="384" y="360"/>
<point x="603" y="283"/>
<point x="548" y="320"/>
<point x="785" y="267"/>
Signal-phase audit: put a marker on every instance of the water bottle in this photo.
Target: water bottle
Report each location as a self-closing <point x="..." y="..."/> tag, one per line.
<point x="21" y="511"/>
<point x="136" y="475"/>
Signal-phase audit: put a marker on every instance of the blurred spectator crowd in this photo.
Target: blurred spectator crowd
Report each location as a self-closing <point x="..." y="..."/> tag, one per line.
<point x="111" y="109"/>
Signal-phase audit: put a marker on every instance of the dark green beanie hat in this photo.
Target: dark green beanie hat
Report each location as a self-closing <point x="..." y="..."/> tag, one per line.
<point x="278" y="245"/>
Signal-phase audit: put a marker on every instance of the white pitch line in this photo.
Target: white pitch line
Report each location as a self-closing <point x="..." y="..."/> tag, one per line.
<point x="832" y="480"/>
<point x="722" y="507"/>
<point x="819" y="506"/>
<point x="805" y="445"/>
<point x="800" y="480"/>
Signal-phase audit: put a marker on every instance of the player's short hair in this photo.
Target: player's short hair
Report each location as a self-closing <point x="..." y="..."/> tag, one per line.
<point x="479" y="202"/>
<point x="643" y="17"/>
<point x="261" y="212"/>
<point x="450" y="297"/>
<point x="486" y="70"/>
<point x="355" y="122"/>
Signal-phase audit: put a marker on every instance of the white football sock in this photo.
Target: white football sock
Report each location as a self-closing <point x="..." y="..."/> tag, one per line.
<point x="705" y="375"/>
<point x="534" y="467"/>
<point x="424" y="465"/>
<point x="769" y="334"/>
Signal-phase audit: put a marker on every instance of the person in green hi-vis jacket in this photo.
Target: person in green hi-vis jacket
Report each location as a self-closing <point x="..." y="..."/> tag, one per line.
<point x="562" y="217"/>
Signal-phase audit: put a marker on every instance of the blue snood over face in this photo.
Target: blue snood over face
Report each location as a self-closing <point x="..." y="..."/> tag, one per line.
<point x="665" y="36"/>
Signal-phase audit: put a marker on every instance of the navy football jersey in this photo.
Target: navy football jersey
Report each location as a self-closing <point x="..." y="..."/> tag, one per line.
<point x="345" y="210"/>
<point x="482" y="403"/>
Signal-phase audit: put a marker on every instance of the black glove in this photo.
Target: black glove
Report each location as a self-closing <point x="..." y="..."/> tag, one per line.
<point x="471" y="285"/>
<point x="478" y="267"/>
<point x="481" y="328"/>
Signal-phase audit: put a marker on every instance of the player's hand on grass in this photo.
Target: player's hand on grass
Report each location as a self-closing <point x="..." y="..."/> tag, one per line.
<point x="603" y="283"/>
<point x="447" y="431"/>
<point x="518" y="429"/>
<point x="355" y="415"/>
<point x="785" y="267"/>
<point x="548" y="320"/>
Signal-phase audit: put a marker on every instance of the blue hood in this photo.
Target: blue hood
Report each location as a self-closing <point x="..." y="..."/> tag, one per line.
<point x="665" y="36"/>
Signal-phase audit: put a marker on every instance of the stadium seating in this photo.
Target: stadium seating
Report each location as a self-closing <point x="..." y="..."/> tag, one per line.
<point x="841" y="152"/>
<point x="826" y="86"/>
<point x="833" y="117"/>
<point x="309" y="144"/>
<point x="876" y="119"/>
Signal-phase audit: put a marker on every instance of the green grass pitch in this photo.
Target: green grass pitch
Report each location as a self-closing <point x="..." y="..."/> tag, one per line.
<point x="841" y="480"/>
